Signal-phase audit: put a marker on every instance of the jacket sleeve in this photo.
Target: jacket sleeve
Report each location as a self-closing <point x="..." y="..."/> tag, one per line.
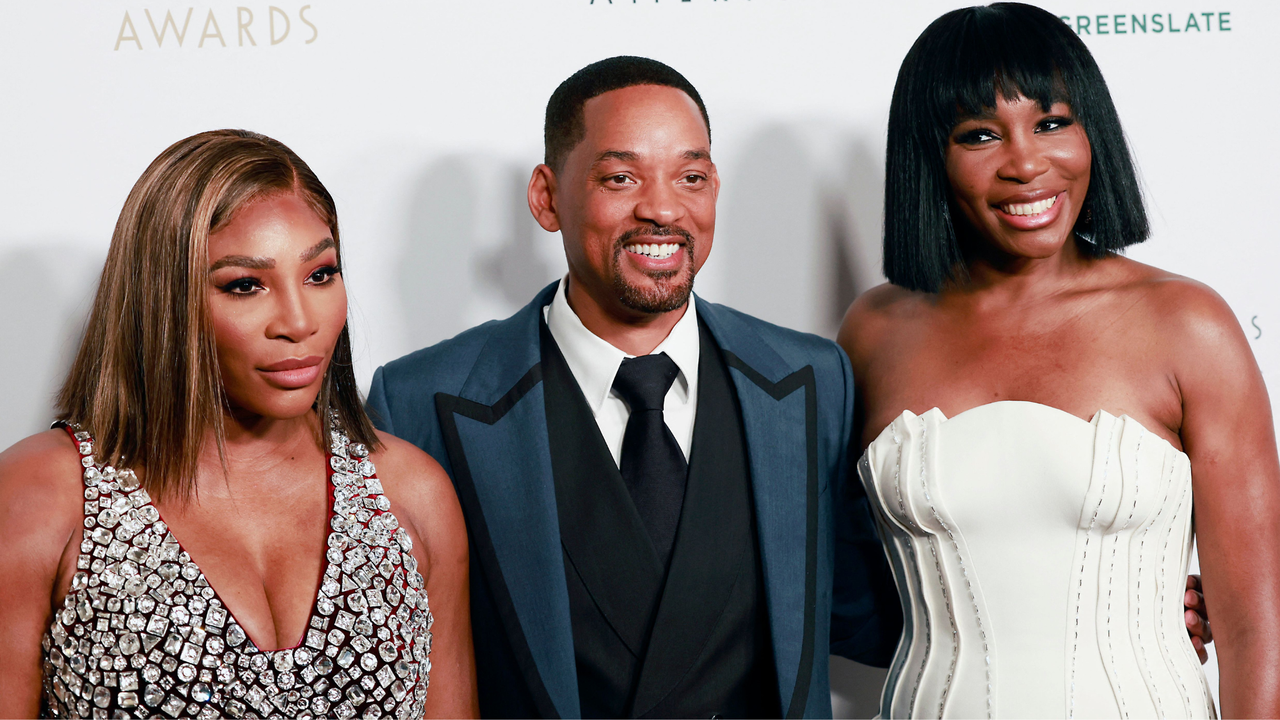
<point x="866" y="615"/>
<point x="376" y="405"/>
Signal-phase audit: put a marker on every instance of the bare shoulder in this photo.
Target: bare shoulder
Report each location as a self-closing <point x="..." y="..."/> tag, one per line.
<point x="871" y="318"/>
<point x="421" y="493"/>
<point x="43" y="468"/>
<point x="41" y="499"/>
<point x="402" y="463"/>
<point x="1184" y="311"/>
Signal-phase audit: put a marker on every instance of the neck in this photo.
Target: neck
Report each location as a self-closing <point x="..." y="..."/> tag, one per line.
<point x="993" y="273"/>
<point x="633" y="332"/>
<point x="253" y="446"/>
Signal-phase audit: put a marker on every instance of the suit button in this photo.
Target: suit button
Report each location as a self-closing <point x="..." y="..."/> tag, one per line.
<point x="716" y="716"/>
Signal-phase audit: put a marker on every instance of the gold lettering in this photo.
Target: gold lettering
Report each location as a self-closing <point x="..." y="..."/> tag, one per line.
<point x="243" y="25"/>
<point x="302" y="15"/>
<point x="133" y="33"/>
<point x="164" y="27"/>
<point x="272" y="11"/>
<point x="217" y="31"/>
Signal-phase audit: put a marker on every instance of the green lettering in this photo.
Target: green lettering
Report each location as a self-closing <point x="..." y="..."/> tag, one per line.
<point x="1100" y="25"/>
<point x="1191" y="23"/>
<point x="1133" y="23"/>
<point x="1117" y="21"/>
<point x="1208" y="20"/>
<point x="1224" y="22"/>
<point x="1172" y="27"/>
<point x="1157" y="23"/>
<point x="1082" y="24"/>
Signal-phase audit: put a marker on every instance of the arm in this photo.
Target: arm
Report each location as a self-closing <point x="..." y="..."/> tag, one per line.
<point x="423" y="497"/>
<point x="40" y="509"/>
<point x="1227" y="431"/>
<point x="866" y="616"/>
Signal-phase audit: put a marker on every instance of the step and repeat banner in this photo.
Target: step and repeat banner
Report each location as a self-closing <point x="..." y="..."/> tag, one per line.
<point x="424" y="119"/>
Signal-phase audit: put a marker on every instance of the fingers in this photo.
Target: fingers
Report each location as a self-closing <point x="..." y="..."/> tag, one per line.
<point x="1197" y="616"/>
<point x="1201" y="652"/>
<point x="1193" y="583"/>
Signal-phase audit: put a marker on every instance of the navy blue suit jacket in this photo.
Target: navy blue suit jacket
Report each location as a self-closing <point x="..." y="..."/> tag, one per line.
<point x="475" y="404"/>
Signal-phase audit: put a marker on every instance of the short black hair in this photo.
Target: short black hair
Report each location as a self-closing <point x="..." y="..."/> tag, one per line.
<point x="565" y="125"/>
<point x="955" y="70"/>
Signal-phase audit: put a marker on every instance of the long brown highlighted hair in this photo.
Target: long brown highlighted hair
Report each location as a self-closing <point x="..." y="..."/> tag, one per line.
<point x="145" y="380"/>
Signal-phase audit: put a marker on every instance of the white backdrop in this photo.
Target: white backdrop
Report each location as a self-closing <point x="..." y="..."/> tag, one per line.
<point x="425" y="118"/>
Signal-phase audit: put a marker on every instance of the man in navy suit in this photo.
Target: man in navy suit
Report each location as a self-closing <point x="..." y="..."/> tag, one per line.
<point x="655" y="486"/>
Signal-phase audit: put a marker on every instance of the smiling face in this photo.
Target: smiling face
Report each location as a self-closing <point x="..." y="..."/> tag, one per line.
<point x="636" y="201"/>
<point x="1019" y="176"/>
<point x="278" y="305"/>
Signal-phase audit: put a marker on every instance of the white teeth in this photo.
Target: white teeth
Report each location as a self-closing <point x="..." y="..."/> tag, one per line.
<point x="1034" y="208"/>
<point x="658" y="252"/>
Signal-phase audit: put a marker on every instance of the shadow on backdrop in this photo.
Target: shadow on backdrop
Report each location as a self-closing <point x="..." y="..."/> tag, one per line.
<point x="472" y="252"/>
<point x="46" y="290"/>
<point x="802" y="229"/>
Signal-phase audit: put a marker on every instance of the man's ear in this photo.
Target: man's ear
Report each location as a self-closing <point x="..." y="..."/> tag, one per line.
<point x="715" y="182"/>
<point x="542" y="198"/>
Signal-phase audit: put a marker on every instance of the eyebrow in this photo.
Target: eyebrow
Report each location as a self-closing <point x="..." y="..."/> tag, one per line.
<point x="318" y="248"/>
<point x="265" y="263"/>
<point x="628" y="156"/>
<point x="254" y="263"/>
<point x="623" y="155"/>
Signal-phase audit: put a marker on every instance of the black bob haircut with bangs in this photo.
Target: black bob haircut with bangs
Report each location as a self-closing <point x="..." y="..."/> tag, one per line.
<point x="956" y="69"/>
<point x="566" y="125"/>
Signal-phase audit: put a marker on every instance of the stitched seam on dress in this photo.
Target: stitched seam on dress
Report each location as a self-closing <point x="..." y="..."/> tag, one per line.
<point x="1084" y="554"/>
<point x="1164" y="553"/>
<point x="1111" y="572"/>
<point x="928" y="635"/>
<point x="955" y="651"/>
<point x="1137" y="620"/>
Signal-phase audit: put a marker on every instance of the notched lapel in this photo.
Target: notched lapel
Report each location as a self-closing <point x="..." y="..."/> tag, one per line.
<point x="780" y="420"/>
<point x="497" y="444"/>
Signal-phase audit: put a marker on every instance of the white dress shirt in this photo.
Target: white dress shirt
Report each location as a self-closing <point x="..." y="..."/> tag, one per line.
<point x="594" y="364"/>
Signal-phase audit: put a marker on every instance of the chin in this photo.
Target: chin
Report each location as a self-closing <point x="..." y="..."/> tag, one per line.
<point x="275" y="404"/>
<point x="655" y="296"/>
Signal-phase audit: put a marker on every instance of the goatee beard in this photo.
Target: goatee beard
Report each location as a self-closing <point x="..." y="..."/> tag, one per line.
<point x="671" y="288"/>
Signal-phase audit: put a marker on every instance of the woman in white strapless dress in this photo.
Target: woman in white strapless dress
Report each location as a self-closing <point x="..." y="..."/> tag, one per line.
<point x="1034" y="406"/>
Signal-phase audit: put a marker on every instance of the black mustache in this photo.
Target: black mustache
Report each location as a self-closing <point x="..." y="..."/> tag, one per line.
<point x="634" y="233"/>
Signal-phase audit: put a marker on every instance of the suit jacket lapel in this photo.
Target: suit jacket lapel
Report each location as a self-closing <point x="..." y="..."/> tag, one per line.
<point x="779" y="417"/>
<point x="495" y="432"/>
<point x="710" y="542"/>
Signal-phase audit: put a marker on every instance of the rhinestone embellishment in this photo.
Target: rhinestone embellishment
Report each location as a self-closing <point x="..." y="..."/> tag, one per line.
<point x="142" y="634"/>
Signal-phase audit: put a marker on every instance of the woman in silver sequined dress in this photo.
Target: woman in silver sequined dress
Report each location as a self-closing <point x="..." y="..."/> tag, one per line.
<point x="204" y="534"/>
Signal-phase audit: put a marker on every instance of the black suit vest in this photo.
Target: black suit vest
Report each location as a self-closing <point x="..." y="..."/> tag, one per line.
<point x="689" y="641"/>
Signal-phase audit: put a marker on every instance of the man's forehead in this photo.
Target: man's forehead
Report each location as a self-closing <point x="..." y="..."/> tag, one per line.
<point x="646" y="112"/>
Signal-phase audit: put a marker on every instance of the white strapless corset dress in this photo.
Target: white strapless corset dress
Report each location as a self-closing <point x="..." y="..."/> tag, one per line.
<point x="1041" y="561"/>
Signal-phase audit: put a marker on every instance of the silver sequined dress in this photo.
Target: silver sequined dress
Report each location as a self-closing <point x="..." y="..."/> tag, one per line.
<point x="142" y="634"/>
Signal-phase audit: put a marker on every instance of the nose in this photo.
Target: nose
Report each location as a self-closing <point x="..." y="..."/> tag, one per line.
<point x="660" y="204"/>
<point x="1024" y="160"/>
<point x="292" y="319"/>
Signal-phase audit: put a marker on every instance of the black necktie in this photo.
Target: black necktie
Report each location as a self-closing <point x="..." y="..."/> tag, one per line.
<point x="652" y="466"/>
